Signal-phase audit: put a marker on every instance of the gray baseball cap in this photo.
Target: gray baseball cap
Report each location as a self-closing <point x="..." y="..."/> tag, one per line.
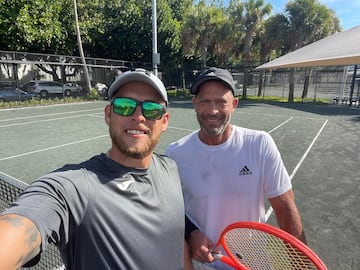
<point x="140" y="75"/>
<point x="213" y="73"/>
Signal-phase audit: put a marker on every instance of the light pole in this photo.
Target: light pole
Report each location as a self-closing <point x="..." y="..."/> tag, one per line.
<point x="156" y="55"/>
<point x="86" y="73"/>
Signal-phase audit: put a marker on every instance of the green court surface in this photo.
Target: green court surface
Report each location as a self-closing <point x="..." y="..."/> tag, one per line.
<point x="320" y="145"/>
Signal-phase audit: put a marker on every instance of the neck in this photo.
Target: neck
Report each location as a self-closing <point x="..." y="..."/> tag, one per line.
<point x="138" y="163"/>
<point x="215" y="139"/>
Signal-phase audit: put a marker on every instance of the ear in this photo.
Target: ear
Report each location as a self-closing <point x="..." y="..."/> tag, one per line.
<point x="235" y="103"/>
<point x="194" y="100"/>
<point x="165" y="121"/>
<point x="107" y="113"/>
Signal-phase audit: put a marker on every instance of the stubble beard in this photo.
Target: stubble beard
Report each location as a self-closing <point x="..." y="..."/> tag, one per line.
<point x="214" y="131"/>
<point x="131" y="151"/>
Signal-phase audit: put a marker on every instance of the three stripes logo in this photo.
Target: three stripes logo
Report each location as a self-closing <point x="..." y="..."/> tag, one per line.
<point x="245" y="171"/>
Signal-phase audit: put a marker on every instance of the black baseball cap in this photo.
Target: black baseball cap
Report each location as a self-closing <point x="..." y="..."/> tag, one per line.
<point x="213" y="73"/>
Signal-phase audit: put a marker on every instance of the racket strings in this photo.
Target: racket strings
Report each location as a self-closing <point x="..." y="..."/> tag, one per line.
<point x="262" y="251"/>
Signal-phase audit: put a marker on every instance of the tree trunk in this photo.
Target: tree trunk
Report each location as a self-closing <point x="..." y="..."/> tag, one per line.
<point x="245" y="82"/>
<point x="306" y="82"/>
<point x="291" y="85"/>
<point x="260" y="82"/>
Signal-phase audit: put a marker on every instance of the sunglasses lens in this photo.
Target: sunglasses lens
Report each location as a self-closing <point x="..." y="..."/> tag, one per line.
<point x="127" y="106"/>
<point x="124" y="106"/>
<point x="152" y="110"/>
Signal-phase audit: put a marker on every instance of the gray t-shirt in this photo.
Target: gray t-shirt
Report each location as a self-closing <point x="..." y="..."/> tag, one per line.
<point x="103" y="215"/>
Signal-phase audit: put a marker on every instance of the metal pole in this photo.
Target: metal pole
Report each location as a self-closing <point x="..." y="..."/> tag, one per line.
<point x="352" y="86"/>
<point x="156" y="56"/>
<point x="87" y="78"/>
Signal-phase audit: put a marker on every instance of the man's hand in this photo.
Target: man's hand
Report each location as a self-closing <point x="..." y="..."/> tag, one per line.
<point x="201" y="247"/>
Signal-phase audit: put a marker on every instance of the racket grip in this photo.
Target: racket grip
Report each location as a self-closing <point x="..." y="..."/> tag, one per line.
<point x="229" y="261"/>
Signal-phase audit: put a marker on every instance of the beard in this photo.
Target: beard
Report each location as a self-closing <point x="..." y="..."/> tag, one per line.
<point x="212" y="130"/>
<point x="137" y="151"/>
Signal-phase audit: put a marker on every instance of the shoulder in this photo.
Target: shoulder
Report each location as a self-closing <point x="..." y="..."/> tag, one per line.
<point x="251" y="134"/>
<point x="164" y="160"/>
<point x="186" y="141"/>
<point x="74" y="176"/>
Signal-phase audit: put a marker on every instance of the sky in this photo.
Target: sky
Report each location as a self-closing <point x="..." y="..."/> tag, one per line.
<point x="348" y="11"/>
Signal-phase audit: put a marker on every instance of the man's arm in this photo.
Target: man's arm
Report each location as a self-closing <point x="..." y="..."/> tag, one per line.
<point x="20" y="241"/>
<point x="187" y="257"/>
<point x="200" y="246"/>
<point x="287" y="214"/>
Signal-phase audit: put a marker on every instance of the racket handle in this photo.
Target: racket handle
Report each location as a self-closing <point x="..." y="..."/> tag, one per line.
<point x="230" y="262"/>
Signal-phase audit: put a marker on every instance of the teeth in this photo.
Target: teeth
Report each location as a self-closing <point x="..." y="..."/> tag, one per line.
<point x="134" y="131"/>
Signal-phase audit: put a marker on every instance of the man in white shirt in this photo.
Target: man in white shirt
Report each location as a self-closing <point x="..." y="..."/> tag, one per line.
<point x="228" y="172"/>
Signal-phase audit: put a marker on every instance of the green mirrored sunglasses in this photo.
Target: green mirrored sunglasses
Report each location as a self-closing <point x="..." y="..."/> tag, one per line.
<point x="126" y="106"/>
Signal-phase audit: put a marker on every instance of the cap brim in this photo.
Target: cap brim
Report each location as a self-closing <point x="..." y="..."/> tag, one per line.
<point x="195" y="87"/>
<point x="140" y="77"/>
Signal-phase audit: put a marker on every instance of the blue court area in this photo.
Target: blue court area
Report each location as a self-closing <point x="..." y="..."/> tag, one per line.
<point x="319" y="144"/>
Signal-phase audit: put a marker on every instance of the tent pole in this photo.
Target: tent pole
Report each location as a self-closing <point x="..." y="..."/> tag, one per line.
<point x="352" y="85"/>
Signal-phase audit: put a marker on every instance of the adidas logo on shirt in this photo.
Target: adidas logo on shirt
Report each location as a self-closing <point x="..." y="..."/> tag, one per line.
<point x="245" y="171"/>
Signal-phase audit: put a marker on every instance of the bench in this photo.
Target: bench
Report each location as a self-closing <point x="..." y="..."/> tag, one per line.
<point x="345" y="100"/>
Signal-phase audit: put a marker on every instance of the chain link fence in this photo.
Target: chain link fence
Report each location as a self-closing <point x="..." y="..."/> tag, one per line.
<point x="332" y="83"/>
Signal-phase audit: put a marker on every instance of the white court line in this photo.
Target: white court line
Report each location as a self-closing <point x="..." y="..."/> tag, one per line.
<point x="270" y="210"/>
<point x="277" y="115"/>
<point x="283" y="123"/>
<point x="275" y="128"/>
<point x="45" y="120"/>
<point x="53" y="147"/>
<point x="96" y="115"/>
<point x="12" y="177"/>
<point x="185" y="129"/>
<point x="46" y="115"/>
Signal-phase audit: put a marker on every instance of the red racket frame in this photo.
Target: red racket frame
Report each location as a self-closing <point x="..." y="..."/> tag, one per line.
<point x="281" y="234"/>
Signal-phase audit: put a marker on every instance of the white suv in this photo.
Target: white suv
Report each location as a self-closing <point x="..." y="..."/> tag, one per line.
<point x="44" y="88"/>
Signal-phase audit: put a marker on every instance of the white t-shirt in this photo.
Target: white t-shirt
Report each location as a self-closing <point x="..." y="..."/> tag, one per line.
<point x="227" y="183"/>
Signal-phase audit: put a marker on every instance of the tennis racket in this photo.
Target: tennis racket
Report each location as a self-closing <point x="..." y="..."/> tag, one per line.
<point x="253" y="245"/>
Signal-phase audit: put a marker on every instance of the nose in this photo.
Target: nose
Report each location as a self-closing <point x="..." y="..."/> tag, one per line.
<point x="213" y="108"/>
<point x="137" y="115"/>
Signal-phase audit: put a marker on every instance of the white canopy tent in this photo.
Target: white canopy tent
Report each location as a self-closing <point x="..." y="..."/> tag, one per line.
<point x="340" y="49"/>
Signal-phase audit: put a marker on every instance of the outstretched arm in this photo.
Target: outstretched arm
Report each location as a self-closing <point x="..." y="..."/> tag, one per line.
<point x="287" y="214"/>
<point x="20" y="241"/>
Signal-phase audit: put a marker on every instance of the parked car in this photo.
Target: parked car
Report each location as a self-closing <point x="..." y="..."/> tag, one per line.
<point x="75" y="87"/>
<point x="102" y="89"/>
<point x="46" y="88"/>
<point x="14" y="94"/>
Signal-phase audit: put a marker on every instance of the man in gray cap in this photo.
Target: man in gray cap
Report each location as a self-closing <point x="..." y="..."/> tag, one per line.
<point x="118" y="210"/>
<point x="227" y="172"/>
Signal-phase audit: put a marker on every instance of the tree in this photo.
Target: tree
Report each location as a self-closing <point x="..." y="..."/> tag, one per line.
<point x="40" y="29"/>
<point x="308" y="21"/>
<point x="44" y="29"/>
<point x="270" y="38"/>
<point x="254" y="13"/>
<point x="201" y="32"/>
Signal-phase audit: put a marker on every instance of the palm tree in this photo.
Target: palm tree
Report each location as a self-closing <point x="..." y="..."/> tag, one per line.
<point x="254" y="13"/>
<point x="270" y="39"/>
<point x="201" y="32"/>
<point x="308" y="21"/>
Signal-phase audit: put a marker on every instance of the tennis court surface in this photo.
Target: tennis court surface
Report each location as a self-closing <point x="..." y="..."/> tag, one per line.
<point x="319" y="145"/>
